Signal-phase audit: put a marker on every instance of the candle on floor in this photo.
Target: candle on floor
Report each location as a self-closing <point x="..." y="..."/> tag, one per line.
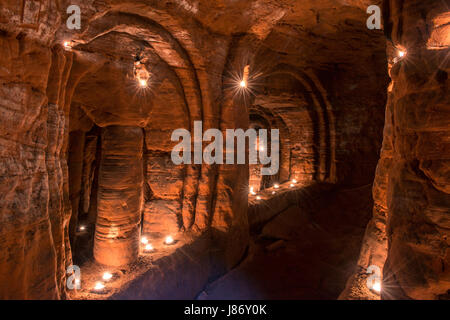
<point x="99" y="286"/>
<point x="169" y="240"/>
<point x="107" y="276"/>
<point x="144" y="240"/>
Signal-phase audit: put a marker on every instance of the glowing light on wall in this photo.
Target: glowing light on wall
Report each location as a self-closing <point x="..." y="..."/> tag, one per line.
<point x="143" y="83"/>
<point x="401" y="54"/>
<point x="67" y="45"/>
<point x="141" y="73"/>
<point x="245" y="76"/>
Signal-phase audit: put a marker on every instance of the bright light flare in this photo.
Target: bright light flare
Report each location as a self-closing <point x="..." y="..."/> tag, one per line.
<point x="377" y="286"/>
<point x="143" y="83"/>
<point x="67" y="45"/>
<point x="401" y="53"/>
<point x="107" y="276"/>
<point x="169" y="240"/>
<point x="141" y="74"/>
<point x="144" y="240"/>
<point x="243" y="84"/>
<point x="99" y="286"/>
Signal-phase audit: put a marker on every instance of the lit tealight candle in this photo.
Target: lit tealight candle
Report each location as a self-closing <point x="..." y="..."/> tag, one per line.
<point x="144" y="240"/>
<point x="252" y="192"/>
<point x="258" y="198"/>
<point x="273" y="192"/>
<point x="107" y="276"/>
<point x="291" y="185"/>
<point x="276" y="186"/>
<point x="149" y="247"/>
<point x="169" y="240"/>
<point x="401" y="53"/>
<point x="99" y="286"/>
<point x="82" y="228"/>
<point x="294" y="180"/>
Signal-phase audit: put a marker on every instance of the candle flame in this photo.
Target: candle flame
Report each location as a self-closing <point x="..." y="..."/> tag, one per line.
<point x="144" y="240"/>
<point x="99" y="286"/>
<point x="169" y="240"/>
<point x="107" y="276"/>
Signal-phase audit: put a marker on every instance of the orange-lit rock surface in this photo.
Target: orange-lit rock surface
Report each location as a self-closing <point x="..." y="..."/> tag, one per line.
<point x="86" y="167"/>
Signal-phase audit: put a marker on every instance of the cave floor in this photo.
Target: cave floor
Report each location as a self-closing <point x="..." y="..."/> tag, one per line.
<point x="310" y="263"/>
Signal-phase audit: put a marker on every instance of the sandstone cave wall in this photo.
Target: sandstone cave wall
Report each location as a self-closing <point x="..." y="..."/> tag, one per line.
<point x="38" y="82"/>
<point x="408" y="235"/>
<point x="35" y="206"/>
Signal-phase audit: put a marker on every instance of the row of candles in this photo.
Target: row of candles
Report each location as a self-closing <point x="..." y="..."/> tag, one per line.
<point x="147" y="247"/>
<point x="275" y="186"/>
<point x="107" y="276"/>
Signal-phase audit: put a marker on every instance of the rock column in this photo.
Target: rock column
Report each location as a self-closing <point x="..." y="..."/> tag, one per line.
<point x="117" y="229"/>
